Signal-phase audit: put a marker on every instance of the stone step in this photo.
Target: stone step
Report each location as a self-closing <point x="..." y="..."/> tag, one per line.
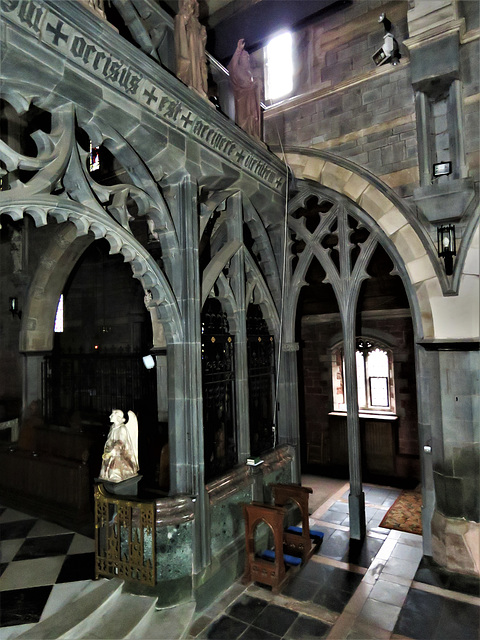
<point x="103" y="610"/>
<point x="172" y="623"/>
<point x="124" y="618"/>
<point x="77" y="616"/>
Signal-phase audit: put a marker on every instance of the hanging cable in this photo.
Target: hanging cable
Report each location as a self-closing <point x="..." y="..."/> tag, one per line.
<point x="282" y="294"/>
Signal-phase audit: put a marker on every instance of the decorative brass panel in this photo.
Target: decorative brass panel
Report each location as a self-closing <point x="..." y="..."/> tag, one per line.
<point x="124" y="538"/>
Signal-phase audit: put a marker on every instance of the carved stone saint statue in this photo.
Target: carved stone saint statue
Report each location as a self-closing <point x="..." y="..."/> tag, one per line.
<point x="246" y="91"/>
<point x="120" y="456"/>
<point x="190" y="40"/>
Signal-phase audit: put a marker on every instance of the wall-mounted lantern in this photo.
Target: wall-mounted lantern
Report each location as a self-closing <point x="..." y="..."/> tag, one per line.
<point x="13" y="307"/>
<point x="446" y="246"/>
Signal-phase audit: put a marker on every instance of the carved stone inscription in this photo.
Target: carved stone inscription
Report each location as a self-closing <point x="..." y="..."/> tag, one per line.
<point x="55" y="32"/>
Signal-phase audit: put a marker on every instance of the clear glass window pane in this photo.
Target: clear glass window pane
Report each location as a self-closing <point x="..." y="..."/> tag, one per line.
<point x="361" y="387"/>
<point x="378" y="374"/>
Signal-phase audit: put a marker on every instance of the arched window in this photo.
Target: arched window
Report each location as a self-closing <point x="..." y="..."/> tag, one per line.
<point x="375" y="380"/>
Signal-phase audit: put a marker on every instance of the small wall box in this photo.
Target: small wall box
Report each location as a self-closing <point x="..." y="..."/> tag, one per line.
<point x="442" y="169"/>
<point x="253" y="462"/>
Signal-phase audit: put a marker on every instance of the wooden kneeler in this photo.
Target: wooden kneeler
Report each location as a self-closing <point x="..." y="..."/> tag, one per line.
<point x="260" y="569"/>
<point x="297" y="541"/>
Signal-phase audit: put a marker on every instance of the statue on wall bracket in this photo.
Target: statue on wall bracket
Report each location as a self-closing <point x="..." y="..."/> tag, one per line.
<point x="246" y="91"/>
<point x="120" y="456"/>
<point x="190" y="41"/>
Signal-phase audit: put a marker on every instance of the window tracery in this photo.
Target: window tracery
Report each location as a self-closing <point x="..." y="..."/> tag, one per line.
<point x="375" y="377"/>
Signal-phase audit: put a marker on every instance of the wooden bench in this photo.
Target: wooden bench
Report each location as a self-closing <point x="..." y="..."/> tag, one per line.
<point x="297" y="540"/>
<point x="268" y="567"/>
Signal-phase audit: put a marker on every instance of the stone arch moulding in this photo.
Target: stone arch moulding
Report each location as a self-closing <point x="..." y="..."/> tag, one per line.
<point x="258" y="291"/>
<point x="36" y="332"/>
<point x="426" y="280"/>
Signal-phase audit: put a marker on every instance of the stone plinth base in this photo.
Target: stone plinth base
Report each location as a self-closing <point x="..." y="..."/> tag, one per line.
<point x="456" y="544"/>
<point x="127" y="487"/>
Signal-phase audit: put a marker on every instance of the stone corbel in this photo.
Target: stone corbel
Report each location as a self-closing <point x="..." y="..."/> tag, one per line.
<point x="96" y="6"/>
<point x="445" y="202"/>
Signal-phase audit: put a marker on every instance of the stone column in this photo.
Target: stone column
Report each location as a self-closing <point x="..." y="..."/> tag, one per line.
<point x="32" y="378"/>
<point x="452" y="397"/>
<point x="288" y="429"/>
<point x="455" y="126"/>
<point x="185" y="374"/>
<point x="161" y="365"/>
<point x="422" y="107"/>
<point x="237" y="271"/>
<point x="356" y="499"/>
<point x="426" y="413"/>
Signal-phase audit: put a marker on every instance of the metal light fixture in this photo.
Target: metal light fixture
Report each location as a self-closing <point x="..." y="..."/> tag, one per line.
<point x="389" y="51"/>
<point x="13" y="307"/>
<point x="442" y="169"/>
<point x="446" y="246"/>
<point x="149" y="361"/>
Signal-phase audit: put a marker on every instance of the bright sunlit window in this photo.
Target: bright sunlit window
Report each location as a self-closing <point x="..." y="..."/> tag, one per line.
<point x="374" y="378"/>
<point x="58" y="327"/>
<point x="278" y="66"/>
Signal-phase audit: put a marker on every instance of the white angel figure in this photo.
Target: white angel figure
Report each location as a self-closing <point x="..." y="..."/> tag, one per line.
<point x="120" y="456"/>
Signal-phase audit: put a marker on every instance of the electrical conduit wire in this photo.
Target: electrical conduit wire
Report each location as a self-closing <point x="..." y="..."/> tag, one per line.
<point x="282" y="295"/>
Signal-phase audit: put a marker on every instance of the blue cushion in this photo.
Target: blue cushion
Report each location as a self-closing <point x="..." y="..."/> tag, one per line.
<point x="268" y="554"/>
<point x="314" y="533"/>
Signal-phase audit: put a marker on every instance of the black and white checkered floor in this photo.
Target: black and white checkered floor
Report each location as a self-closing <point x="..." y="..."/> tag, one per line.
<point x="41" y="566"/>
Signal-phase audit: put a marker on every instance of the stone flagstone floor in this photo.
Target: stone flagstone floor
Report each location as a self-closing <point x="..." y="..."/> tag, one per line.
<point x="381" y="588"/>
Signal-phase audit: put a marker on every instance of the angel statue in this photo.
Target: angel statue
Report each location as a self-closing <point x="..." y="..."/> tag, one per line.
<point x="120" y="456"/>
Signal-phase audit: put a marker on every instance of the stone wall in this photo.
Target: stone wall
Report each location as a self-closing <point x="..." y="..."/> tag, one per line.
<point x="19" y="256"/>
<point x="342" y="103"/>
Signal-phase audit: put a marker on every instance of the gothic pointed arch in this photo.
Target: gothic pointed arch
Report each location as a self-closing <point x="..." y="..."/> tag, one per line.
<point x="410" y="241"/>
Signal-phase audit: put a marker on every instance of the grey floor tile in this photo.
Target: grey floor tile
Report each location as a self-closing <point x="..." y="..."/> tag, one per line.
<point x="275" y="619"/>
<point x="226" y="628"/>
<point x="389" y="592"/>
<point x="305" y="628"/>
<point x="459" y="621"/>
<point x="332" y="599"/>
<point x="379" y="614"/>
<point x="419" y="616"/>
<point x="246" y="608"/>
<point x="300" y="589"/>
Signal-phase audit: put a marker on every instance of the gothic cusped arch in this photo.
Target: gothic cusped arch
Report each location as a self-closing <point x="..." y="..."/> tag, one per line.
<point x="65" y="248"/>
